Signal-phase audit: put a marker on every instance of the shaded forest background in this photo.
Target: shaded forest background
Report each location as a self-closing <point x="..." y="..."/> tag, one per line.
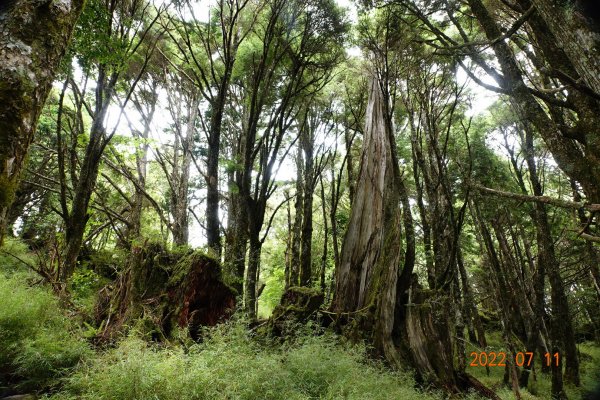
<point x="299" y="199"/>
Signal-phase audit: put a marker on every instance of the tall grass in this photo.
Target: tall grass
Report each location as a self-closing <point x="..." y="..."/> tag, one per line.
<point x="38" y="342"/>
<point x="229" y="364"/>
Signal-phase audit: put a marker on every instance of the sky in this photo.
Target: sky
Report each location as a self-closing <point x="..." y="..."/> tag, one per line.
<point x="481" y="100"/>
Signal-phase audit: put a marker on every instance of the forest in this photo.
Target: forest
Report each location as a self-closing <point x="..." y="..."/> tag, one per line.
<point x="300" y="199"/>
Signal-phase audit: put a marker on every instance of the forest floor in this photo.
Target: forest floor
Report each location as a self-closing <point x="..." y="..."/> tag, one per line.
<point x="47" y="351"/>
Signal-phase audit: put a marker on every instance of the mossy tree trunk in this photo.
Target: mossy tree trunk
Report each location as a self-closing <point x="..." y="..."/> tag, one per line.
<point x="296" y="233"/>
<point x="307" y="138"/>
<point x="374" y="295"/>
<point x="576" y="153"/>
<point x="34" y="35"/>
<point x="548" y="261"/>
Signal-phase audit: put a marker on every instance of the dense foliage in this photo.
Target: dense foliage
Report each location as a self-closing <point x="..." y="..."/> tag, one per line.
<point x="299" y="199"/>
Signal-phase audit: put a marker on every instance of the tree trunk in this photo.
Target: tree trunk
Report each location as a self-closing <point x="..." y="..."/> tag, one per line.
<point x="576" y="36"/>
<point x="297" y="227"/>
<point x="579" y="165"/>
<point x="325" y="237"/>
<point x="213" y="228"/>
<point x="505" y="298"/>
<point x="561" y="316"/>
<point x="141" y="161"/>
<point x="348" y="139"/>
<point x="77" y="219"/>
<point x="306" y="142"/>
<point x="35" y="35"/>
<point x="181" y="177"/>
<point x="371" y="252"/>
<point x="252" y="272"/>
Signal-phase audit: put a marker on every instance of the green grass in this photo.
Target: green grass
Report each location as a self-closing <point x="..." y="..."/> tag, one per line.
<point x="230" y="364"/>
<point x="39" y="342"/>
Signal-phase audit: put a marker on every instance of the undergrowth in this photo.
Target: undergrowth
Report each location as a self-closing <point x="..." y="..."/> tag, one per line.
<point x="38" y="341"/>
<point x="42" y="349"/>
<point x="230" y="364"/>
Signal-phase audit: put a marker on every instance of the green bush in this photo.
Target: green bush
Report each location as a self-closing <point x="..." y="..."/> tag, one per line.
<point x="39" y="343"/>
<point x="230" y="364"/>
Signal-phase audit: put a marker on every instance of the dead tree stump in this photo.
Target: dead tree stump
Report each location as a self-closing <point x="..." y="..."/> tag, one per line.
<point x="197" y="294"/>
<point x="159" y="290"/>
<point x="297" y="305"/>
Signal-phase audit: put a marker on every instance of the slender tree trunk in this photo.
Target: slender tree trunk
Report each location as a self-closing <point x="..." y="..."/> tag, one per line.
<point x="141" y="161"/>
<point x="35" y="35"/>
<point x="503" y="295"/>
<point x="325" y="237"/>
<point x="181" y="178"/>
<point x="237" y="241"/>
<point x="288" y="242"/>
<point x="252" y="273"/>
<point x="77" y="219"/>
<point x="306" y="141"/>
<point x="297" y="227"/>
<point x="350" y="164"/>
<point x="333" y="219"/>
<point x="213" y="228"/>
<point x="561" y="316"/>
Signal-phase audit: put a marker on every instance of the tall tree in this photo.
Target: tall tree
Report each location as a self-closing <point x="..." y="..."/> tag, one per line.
<point x="197" y="42"/>
<point x="35" y="36"/>
<point x="123" y="28"/>
<point x="291" y="55"/>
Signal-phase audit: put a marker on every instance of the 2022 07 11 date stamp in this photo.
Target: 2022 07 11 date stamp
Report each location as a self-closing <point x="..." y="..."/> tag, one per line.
<point x="522" y="359"/>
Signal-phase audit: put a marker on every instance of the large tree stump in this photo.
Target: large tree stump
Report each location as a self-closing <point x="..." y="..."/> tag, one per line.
<point x="197" y="294"/>
<point x="160" y="289"/>
<point x="297" y="305"/>
<point x="429" y="339"/>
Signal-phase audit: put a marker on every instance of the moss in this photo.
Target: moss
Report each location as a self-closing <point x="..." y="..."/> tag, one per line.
<point x="8" y="188"/>
<point x="297" y="305"/>
<point x="185" y="261"/>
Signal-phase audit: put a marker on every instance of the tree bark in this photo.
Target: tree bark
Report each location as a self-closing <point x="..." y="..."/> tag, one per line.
<point x="576" y="36"/>
<point x="297" y="227"/>
<point x="366" y="279"/>
<point x="561" y="316"/>
<point x="581" y="166"/>
<point x="307" y="144"/>
<point x="76" y="220"/>
<point x="34" y="35"/>
<point x="252" y="272"/>
<point x="181" y="176"/>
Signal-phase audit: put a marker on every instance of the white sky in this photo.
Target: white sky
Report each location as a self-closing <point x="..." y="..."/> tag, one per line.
<point x="481" y="100"/>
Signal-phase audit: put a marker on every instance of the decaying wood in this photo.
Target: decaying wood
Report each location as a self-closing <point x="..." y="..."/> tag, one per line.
<point x="165" y="290"/>
<point x="297" y="305"/>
